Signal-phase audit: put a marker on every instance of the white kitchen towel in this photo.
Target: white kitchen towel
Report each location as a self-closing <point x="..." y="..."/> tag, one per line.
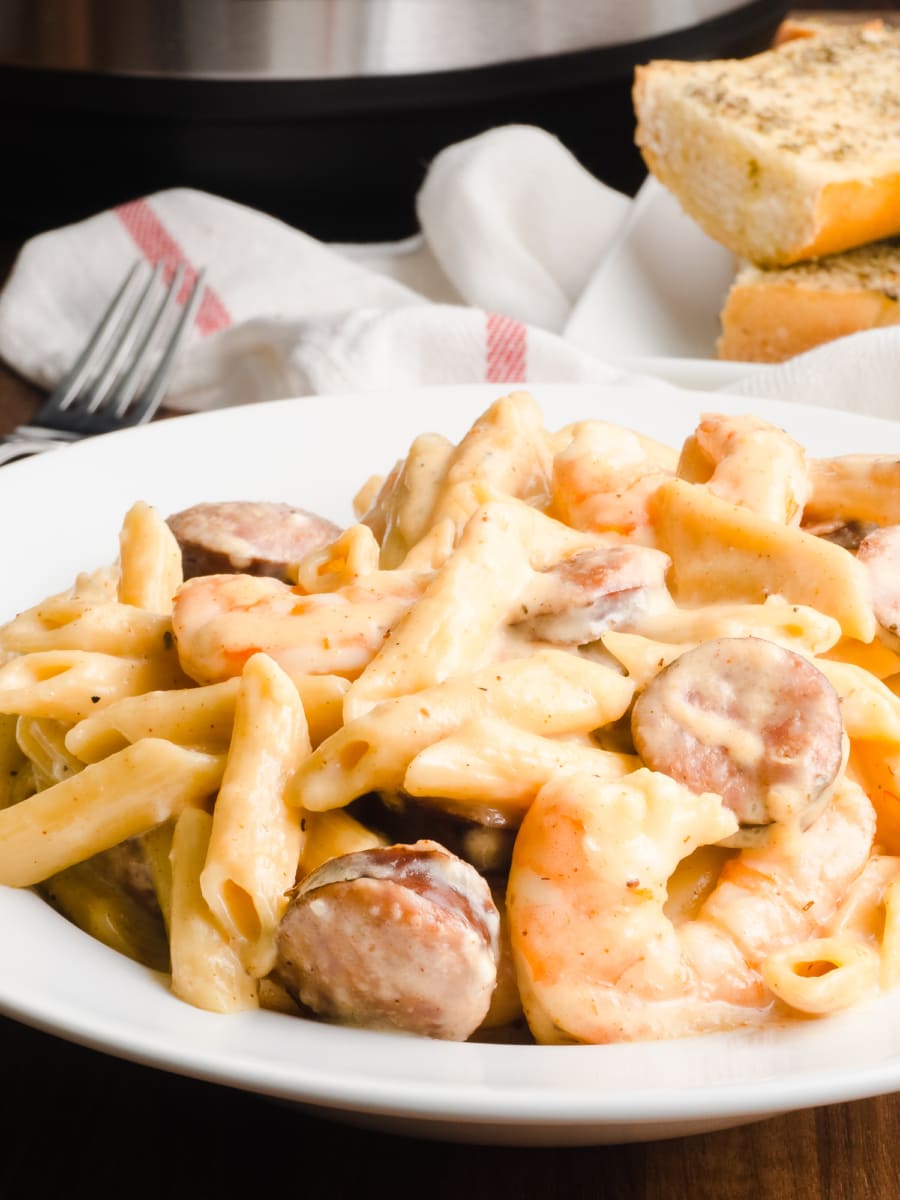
<point x="512" y="228"/>
<point x="858" y="373"/>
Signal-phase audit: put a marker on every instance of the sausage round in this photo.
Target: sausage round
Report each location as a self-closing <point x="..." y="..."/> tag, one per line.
<point x="849" y="534"/>
<point x="403" y="938"/>
<point x="579" y="598"/>
<point x="879" y="551"/>
<point x="743" y="717"/>
<point x="252" y="537"/>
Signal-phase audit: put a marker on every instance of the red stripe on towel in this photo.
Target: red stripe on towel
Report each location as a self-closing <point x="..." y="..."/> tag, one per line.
<point x="506" y="350"/>
<point x="158" y="246"/>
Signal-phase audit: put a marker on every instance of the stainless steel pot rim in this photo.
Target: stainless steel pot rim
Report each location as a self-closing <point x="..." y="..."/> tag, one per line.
<point x="327" y="39"/>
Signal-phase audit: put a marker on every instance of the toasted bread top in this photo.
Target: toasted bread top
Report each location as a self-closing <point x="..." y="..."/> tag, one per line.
<point x="832" y="99"/>
<point x="789" y="154"/>
<point x="871" y="268"/>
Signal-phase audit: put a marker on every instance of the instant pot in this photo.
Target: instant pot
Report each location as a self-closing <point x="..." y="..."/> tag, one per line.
<point x="323" y="112"/>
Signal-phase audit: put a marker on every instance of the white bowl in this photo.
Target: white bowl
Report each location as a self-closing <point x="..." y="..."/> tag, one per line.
<point x="62" y="512"/>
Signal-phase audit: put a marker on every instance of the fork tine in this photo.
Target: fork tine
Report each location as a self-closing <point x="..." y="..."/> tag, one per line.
<point x="74" y="410"/>
<point x="117" y="402"/>
<point x="130" y="330"/>
<point x="151" y="396"/>
<point x="68" y="386"/>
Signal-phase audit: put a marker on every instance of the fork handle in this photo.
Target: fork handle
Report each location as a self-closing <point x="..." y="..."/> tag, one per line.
<point x="23" y="446"/>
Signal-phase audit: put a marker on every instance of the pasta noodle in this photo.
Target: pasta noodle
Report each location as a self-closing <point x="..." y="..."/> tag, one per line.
<point x="149" y="561"/>
<point x="43" y="742"/>
<point x="255" y="842"/>
<point x="492" y="761"/>
<point x="201" y="717"/>
<point x="448" y="631"/>
<point x="890" y="942"/>
<point x="492" y="664"/>
<point x="105" y="628"/>
<point x="506" y="449"/>
<point x="118" y="798"/>
<point x="550" y="693"/>
<point x="69" y="684"/>
<point x="13" y="763"/>
<point x="823" y="975"/>
<point x="91" y="895"/>
<point x="722" y="551"/>
<point x="855" y="487"/>
<point x="206" y="969"/>
<point x="401" y="511"/>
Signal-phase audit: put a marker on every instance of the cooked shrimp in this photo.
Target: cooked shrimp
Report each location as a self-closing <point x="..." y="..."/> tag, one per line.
<point x="219" y="621"/>
<point x="750" y="462"/>
<point x="602" y="480"/>
<point x="597" y="957"/>
<point x="782" y="892"/>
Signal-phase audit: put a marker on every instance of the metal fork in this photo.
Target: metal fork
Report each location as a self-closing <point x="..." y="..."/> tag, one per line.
<point x="120" y="377"/>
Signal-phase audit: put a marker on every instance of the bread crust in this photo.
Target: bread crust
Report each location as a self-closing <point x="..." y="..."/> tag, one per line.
<point x="786" y="156"/>
<point x="769" y="316"/>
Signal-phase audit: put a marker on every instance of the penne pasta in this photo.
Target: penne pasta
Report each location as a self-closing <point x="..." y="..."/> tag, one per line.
<point x="401" y="511"/>
<point x="823" y="975"/>
<point x="108" y="628"/>
<point x="149" y="561"/>
<point x="450" y="629"/>
<point x="491" y="766"/>
<point x="256" y="838"/>
<point x="14" y="766"/>
<point x="156" y="847"/>
<point x="125" y="795"/>
<point x="855" y="487"/>
<point x="721" y="551"/>
<point x="43" y="742"/>
<point x="91" y="897"/>
<point x="331" y="834"/>
<point x="201" y="717"/>
<point x="641" y="657"/>
<point x="206" y="970"/>
<point x="67" y="685"/>
<point x="870" y="709"/>
<point x="550" y="692"/>
<point x="349" y="558"/>
<point x="878" y="770"/>
<point x="506" y="450"/>
<point x="796" y="626"/>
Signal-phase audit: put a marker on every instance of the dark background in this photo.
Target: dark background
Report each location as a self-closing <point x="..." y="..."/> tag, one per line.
<point x="341" y="159"/>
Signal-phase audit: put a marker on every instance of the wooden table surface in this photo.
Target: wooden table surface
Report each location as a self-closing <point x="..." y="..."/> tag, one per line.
<point x="73" y="1114"/>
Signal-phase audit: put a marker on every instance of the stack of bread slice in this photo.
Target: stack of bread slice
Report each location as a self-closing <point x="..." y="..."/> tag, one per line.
<point x="790" y="159"/>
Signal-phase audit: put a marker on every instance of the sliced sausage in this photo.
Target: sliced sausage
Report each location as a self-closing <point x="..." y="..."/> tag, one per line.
<point x="879" y="551"/>
<point x="748" y="719"/>
<point x="481" y="835"/>
<point x="127" y="866"/>
<point x="403" y="938"/>
<point x="848" y="534"/>
<point x="611" y="587"/>
<point x="252" y="537"/>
